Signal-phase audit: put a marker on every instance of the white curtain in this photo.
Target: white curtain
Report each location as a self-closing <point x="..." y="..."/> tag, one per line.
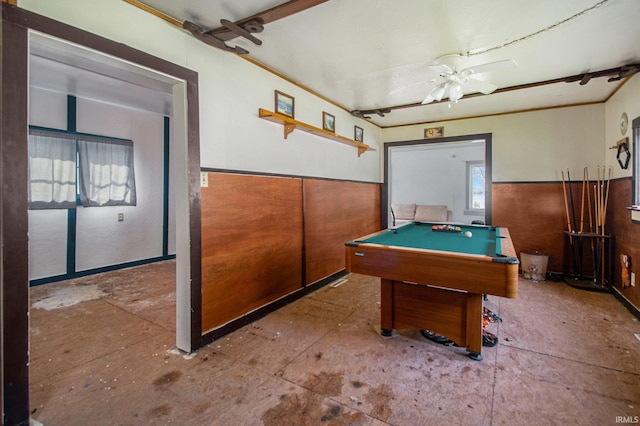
<point x="106" y="176"/>
<point x="52" y="170"/>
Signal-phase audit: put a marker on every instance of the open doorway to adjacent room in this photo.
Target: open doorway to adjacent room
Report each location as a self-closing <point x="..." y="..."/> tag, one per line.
<point x="454" y="172"/>
<point x="125" y="262"/>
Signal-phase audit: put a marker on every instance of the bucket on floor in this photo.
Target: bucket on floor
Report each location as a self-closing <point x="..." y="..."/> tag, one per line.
<point x="534" y="265"/>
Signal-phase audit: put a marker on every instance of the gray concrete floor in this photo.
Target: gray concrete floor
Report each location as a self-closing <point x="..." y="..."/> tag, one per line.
<point x="102" y="353"/>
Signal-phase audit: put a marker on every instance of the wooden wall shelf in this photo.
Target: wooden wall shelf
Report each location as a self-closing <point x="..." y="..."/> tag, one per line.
<point x="290" y="125"/>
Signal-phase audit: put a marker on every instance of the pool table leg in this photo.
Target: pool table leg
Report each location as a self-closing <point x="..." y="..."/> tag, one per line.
<point x="386" y="307"/>
<point x="474" y="326"/>
<point x="475" y="356"/>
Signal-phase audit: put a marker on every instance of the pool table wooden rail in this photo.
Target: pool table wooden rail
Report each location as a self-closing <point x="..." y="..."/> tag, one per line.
<point x="472" y="273"/>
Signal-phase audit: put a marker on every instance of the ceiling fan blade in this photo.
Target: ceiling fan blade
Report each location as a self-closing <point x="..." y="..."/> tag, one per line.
<point x="474" y="85"/>
<point x="441" y="69"/>
<point x="394" y="91"/>
<point x="439" y="91"/>
<point x="428" y="99"/>
<point x="490" y="66"/>
<point x="436" y="94"/>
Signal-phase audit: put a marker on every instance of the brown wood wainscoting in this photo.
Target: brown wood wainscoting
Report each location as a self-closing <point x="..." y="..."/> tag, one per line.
<point x="536" y="217"/>
<point x="268" y="238"/>
<point x="627" y="238"/>
<point x="334" y="212"/>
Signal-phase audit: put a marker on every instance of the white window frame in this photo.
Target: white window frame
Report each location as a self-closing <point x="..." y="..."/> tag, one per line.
<point x="470" y="210"/>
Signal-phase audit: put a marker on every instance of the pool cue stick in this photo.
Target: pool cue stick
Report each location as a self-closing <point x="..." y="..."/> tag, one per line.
<point x="577" y="248"/>
<point x="600" y="216"/>
<point x="596" y="251"/>
<point x="582" y="203"/>
<point x="589" y="200"/>
<point x="601" y="195"/>
<point x="601" y="207"/>
<point x="591" y="242"/>
<point x="606" y="199"/>
<point x="566" y="209"/>
<point x="580" y="240"/>
<point x="604" y="219"/>
<point x="597" y="201"/>
<point x="566" y="205"/>
<point x="573" y="210"/>
<point x="599" y="227"/>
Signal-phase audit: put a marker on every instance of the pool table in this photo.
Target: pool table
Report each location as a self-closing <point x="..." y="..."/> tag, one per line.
<point x="436" y="280"/>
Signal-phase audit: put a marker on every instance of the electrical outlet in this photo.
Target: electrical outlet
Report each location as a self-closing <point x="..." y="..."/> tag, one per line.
<point x="633" y="279"/>
<point x="204" y="180"/>
<point x="120" y="217"/>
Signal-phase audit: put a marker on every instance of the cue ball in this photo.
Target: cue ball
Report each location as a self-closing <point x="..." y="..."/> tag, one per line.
<point x="468" y="234"/>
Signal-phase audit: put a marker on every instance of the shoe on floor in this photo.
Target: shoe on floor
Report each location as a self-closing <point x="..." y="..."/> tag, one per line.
<point x="489" y="339"/>
<point x="436" y="338"/>
<point x="488" y="314"/>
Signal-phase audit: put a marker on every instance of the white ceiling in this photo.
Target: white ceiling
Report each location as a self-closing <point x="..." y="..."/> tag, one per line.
<point x="67" y="68"/>
<point x="355" y="52"/>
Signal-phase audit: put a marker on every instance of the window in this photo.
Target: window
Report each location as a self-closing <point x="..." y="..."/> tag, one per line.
<point x="475" y="188"/>
<point x="64" y="164"/>
<point x="52" y="170"/>
<point x="106" y="173"/>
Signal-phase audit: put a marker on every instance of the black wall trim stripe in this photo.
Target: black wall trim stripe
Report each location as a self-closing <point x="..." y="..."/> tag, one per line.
<point x="56" y="278"/>
<point x="263" y="311"/>
<point x="546" y="182"/>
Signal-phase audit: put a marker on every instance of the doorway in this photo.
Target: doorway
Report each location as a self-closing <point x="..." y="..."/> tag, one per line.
<point x="16" y="26"/>
<point x="452" y="171"/>
<point x="106" y="93"/>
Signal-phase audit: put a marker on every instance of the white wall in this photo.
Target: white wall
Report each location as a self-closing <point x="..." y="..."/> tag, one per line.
<point x="100" y="239"/>
<point x="627" y="99"/>
<point x="231" y="91"/>
<point x="47" y="228"/>
<point x="530" y="146"/>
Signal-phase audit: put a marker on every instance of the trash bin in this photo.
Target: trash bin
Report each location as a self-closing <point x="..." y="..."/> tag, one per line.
<point x="534" y="265"/>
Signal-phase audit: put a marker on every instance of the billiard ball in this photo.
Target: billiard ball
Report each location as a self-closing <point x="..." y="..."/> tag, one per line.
<point x="468" y="234"/>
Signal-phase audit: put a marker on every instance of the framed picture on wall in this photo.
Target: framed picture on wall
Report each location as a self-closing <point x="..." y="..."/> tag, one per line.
<point x="285" y="104"/>
<point x="328" y="122"/>
<point x="358" y="134"/>
<point x="434" y="132"/>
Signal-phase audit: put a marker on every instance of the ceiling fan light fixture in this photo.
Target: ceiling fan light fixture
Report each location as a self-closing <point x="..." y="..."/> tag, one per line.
<point x="455" y="92"/>
<point x="454" y="81"/>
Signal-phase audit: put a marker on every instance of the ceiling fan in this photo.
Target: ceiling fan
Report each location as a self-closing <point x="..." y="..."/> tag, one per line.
<point x="453" y="82"/>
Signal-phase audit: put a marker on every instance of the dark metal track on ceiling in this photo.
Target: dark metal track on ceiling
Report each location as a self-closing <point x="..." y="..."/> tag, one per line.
<point x="614" y="74"/>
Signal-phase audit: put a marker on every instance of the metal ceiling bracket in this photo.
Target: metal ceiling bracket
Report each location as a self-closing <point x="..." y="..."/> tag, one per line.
<point x="253" y="26"/>
<point x="210" y="39"/>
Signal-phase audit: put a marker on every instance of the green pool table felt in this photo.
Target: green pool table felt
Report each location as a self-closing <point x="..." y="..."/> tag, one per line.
<point x="421" y="236"/>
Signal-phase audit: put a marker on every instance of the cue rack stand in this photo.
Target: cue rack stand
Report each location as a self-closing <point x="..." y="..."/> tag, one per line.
<point x="589" y="229"/>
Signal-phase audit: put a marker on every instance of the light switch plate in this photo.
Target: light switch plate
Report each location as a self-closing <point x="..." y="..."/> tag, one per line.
<point x="204" y="180"/>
